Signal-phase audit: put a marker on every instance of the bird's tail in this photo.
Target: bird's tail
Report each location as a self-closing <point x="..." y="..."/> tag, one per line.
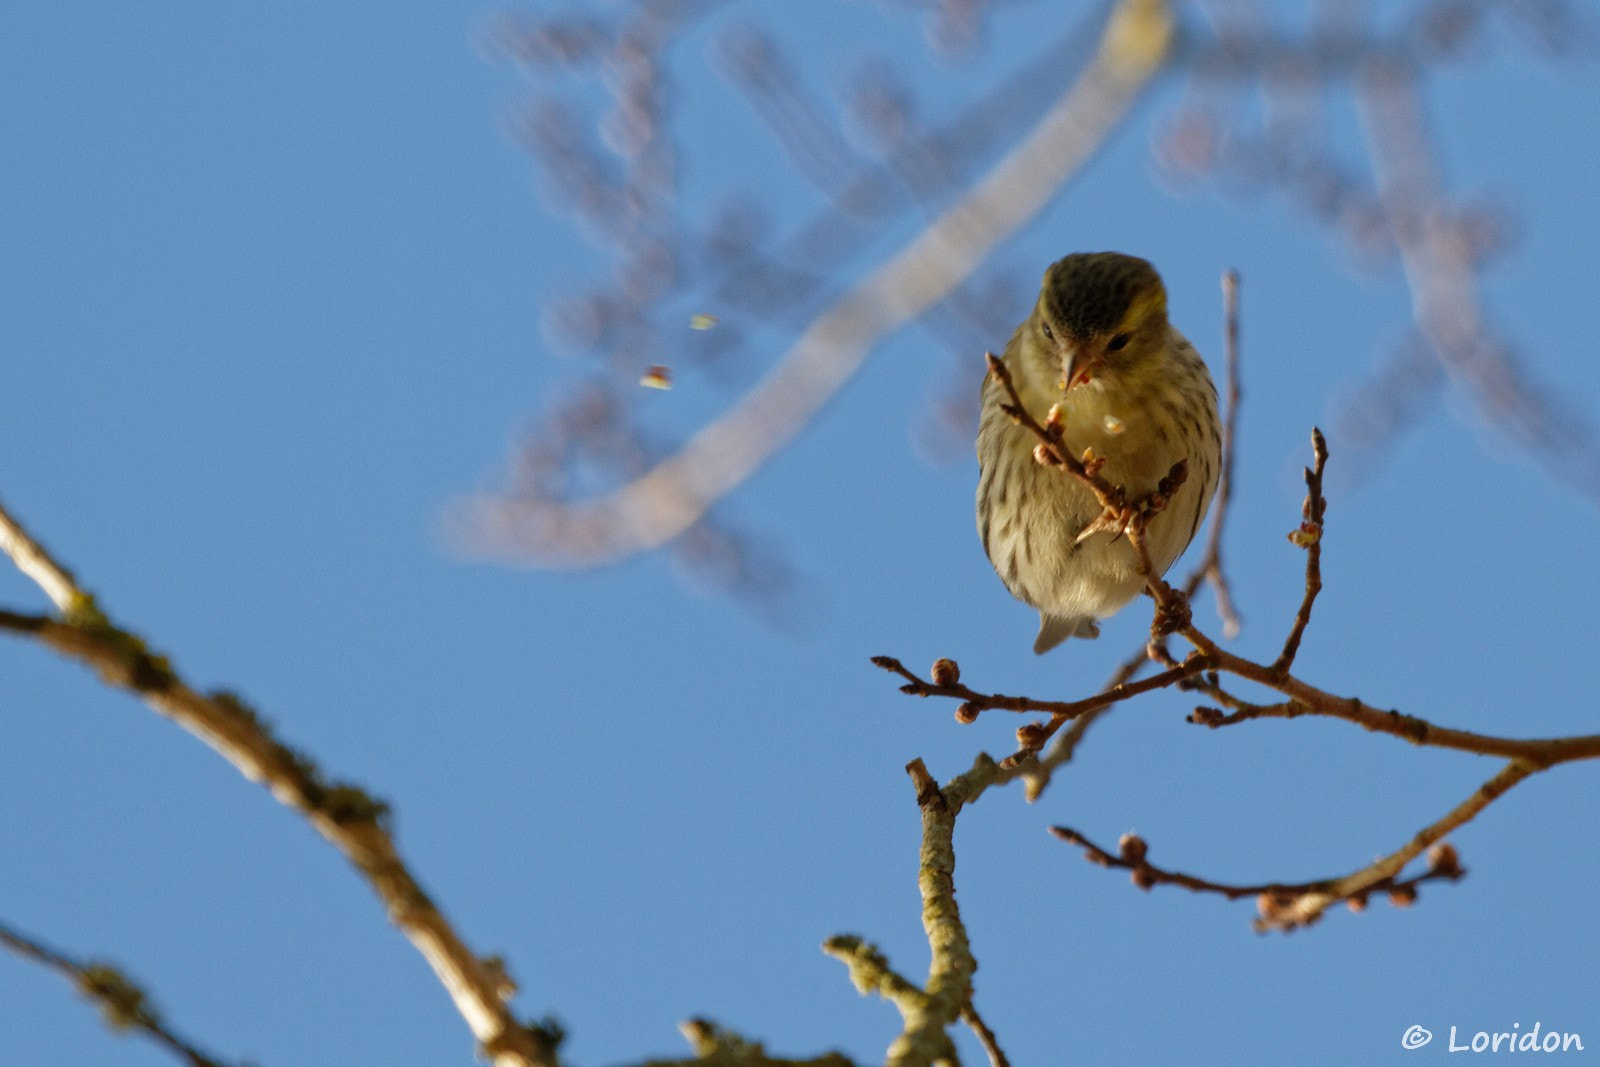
<point x="1054" y="629"/>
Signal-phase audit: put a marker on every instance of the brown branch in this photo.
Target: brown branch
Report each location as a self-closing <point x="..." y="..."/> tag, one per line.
<point x="1210" y="568"/>
<point x="1036" y="767"/>
<point x="974" y="702"/>
<point x="123" y="1003"/>
<point x="1287" y="905"/>
<point x="1172" y="614"/>
<point x="1281" y="905"/>
<point x="1308" y="537"/>
<point x="1307" y="699"/>
<point x="346" y="816"/>
<point x="1277" y="902"/>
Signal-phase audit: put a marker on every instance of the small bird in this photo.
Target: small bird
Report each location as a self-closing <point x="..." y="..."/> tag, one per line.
<point x="1128" y="385"/>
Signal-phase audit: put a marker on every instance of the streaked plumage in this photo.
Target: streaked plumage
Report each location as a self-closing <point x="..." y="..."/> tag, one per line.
<point x="1129" y="386"/>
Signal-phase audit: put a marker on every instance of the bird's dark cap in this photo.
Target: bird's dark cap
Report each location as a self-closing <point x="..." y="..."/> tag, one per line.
<point x="1090" y="293"/>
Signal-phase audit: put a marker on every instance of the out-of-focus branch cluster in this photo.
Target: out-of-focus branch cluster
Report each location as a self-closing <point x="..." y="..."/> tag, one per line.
<point x="1263" y="114"/>
<point x="594" y="486"/>
<point x="695" y="297"/>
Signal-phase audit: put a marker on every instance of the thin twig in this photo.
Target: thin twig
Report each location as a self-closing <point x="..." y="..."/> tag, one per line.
<point x="986" y="1038"/>
<point x="1279" y="903"/>
<point x="1307" y="908"/>
<point x="974" y="702"/>
<point x="1288" y="905"/>
<point x="123" y="1003"/>
<point x="1211" y="568"/>
<point x="1307" y="699"/>
<point x="1308" y="537"/>
<point x="1036" y="768"/>
<point x="927" y="1013"/>
<point x="714" y="1043"/>
<point x="1172" y="615"/>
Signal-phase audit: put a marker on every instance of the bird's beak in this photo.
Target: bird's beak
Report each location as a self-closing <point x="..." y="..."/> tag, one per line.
<point x="1078" y="367"/>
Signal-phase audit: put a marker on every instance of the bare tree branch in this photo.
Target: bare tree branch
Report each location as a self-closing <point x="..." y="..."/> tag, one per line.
<point x="345" y="815"/>
<point x="929" y="1011"/>
<point x="123" y="1003"/>
<point x="1284" y="906"/>
<point x="1288" y="905"/>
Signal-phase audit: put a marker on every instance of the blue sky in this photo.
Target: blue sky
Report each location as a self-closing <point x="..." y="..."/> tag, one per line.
<point x="271" y="283"/>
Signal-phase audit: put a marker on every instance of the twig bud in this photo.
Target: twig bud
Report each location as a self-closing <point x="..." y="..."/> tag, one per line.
<point x="1307" y="535"/>
<point x="1031" y="735"/>
<point x="1132" y="848"/>
<point x="967" y="713"/>
<point x="1044" y="455"/>
<point x="1444" y="861"/>
<point x="1403" y="896"/>
<point x="945" y="672"/>
<point x="1357" y="902"/>
<point x="1142" y="878"/>
<point x="1175" y="478"/>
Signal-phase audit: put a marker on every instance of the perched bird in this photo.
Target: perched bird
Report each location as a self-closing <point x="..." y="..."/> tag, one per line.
<point x="1129" y="386"/>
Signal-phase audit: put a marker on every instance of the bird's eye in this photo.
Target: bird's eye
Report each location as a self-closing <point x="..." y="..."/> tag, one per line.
<point x="1118" y="343"/>
<point x="1049" y="334"/>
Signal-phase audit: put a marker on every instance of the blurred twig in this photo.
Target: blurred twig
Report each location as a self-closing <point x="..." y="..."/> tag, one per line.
<point x="124" y="1004"/>
<point x="1442" y="260"/>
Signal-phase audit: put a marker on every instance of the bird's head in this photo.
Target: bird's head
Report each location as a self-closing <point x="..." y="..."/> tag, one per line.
<point x="1100" y="315"/>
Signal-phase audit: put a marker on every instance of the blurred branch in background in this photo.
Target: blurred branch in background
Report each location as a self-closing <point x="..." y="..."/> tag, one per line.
<point x="536" y="522"/>
<point x="1259" y="110"/>
<point x="1392" y="202"/>
<point x="124" y="1004"/>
